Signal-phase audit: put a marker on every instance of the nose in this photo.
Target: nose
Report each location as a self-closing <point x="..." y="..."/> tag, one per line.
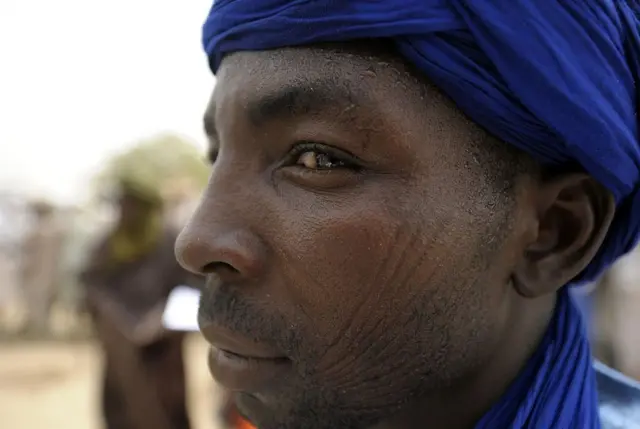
<point x="209" y="245"/>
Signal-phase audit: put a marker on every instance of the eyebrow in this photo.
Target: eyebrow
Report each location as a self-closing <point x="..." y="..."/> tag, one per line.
<point x="294" y="100"/>
<point x="304" y="99"/>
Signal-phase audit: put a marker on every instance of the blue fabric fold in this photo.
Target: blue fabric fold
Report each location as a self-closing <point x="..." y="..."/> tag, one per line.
<point x="554" y="78"/>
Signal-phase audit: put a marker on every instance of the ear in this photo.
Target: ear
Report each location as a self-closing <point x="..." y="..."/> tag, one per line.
<point x="574" y="214"/>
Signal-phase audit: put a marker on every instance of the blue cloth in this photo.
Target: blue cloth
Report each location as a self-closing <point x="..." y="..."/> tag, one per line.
<point x="553" y="78"/>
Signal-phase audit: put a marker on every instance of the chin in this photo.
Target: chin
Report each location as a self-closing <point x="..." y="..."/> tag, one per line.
<point x="304" y="413"/>
<point x="257" y="412"/>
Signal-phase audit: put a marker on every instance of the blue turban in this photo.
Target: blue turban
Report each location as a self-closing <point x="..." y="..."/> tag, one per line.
<point x="553" y="78"/>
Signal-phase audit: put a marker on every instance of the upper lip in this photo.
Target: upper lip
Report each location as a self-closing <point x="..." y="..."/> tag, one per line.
<point x="228" y="341"/>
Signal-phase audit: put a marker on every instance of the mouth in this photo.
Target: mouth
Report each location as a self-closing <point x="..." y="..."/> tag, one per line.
<point x="239" y="364"/>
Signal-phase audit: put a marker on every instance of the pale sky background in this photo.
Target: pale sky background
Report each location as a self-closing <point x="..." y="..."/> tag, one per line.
<point x="81" y="79"/>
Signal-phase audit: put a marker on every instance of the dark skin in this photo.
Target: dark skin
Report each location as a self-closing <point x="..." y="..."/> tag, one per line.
<point x="348" y="223"/>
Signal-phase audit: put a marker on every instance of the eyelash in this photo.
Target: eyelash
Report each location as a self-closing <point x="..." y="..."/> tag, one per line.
<point x="346" y="160"/>
<point x="211" y="157"/>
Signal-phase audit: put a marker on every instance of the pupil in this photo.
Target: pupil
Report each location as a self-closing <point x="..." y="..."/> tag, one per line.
<point x="324" y="160"/>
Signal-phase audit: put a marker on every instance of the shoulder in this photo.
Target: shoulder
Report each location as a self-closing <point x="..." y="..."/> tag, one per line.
<point x="619" y="399"/>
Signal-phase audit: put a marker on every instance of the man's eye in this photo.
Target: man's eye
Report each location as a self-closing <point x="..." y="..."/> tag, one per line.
<point x="315" y="160"/>
<point x="212" y="156"/>
<point x="321" y="166"/>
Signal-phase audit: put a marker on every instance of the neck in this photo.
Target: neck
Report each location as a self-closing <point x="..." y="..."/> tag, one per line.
<point x="461" y="407"/>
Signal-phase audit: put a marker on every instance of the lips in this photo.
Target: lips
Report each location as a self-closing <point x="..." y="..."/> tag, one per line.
<point x="240" y="364"/>
<point x="224" y="339"/>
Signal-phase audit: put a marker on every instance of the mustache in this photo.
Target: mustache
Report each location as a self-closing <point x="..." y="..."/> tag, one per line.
<point x="225" y="305"/>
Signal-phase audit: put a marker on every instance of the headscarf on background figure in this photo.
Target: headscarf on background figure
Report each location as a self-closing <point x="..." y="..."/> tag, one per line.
<point x="555" y="79"/>
<point x="126" y="245"/>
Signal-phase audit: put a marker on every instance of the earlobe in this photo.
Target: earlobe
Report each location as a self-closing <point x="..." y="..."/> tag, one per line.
<point x="574" y="215"/>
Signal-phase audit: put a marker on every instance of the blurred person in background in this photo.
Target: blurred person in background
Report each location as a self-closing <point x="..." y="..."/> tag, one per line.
<point x="617" y="311"/>
<point x="181" y="198"/>
<point x="11" y="242"/>
<point x="127" y="281"/>
<point x="40" y="263"/>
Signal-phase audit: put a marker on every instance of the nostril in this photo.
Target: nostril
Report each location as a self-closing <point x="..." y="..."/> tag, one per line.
<point x="219" y="267"/>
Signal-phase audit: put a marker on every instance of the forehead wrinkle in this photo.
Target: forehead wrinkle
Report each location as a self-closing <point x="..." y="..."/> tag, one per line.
<point x="302" y="98"/>
<point x="293" y="82"/>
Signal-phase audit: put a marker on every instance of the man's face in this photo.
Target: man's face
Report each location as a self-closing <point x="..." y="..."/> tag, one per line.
<point x="348" y="239"/>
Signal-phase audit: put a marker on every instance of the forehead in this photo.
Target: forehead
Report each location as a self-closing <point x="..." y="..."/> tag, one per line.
<point x="356" y="79"/>
<point x="333" y="62"/>
<point x="353" y="76"/>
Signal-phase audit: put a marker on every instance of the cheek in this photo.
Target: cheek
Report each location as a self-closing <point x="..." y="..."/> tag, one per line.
<point x="333" y="267"/>
<point x="353" y="270"/>
<point x="401" y="288"/>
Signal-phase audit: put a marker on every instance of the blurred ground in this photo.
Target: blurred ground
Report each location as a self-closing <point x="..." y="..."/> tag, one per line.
<point x="55" y="385"/>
